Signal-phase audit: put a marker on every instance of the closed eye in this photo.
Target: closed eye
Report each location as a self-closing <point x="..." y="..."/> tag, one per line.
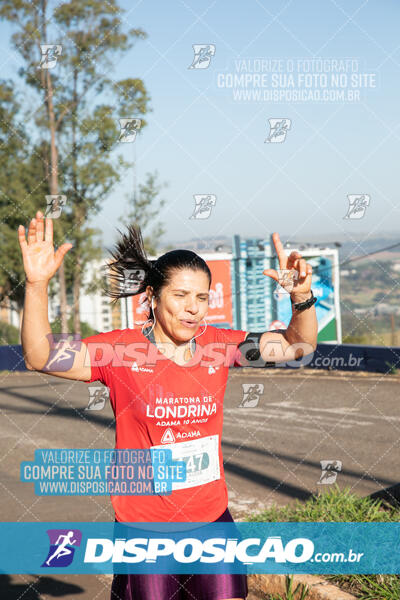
<point x="183" y="295"/>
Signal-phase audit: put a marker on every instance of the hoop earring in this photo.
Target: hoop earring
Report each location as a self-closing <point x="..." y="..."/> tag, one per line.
<point x="144" y="326"/>
<point x="154" y="321"/>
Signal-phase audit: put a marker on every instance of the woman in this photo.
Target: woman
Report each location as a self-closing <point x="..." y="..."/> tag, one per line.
<point x="163" y="389"/>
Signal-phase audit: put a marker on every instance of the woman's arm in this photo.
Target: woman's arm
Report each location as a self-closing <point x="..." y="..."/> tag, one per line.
<point x="35" y="325"/>
<point x="300" y="338"/>
<point x="303" y="326"/>
<point x="40" y="264"/>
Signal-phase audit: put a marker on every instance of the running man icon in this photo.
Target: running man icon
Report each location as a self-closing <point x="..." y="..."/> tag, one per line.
<point x="61" y="548"/>
<point x="63" y="348"/>
<point x="202" y="55"/>
<point x="61" y="551"/>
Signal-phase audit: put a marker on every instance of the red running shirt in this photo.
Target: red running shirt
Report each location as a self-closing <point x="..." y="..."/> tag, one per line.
<point x="158" y="403"/>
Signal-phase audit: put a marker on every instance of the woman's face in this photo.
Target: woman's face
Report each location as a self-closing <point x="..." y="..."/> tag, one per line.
<point x="182" y="304"/>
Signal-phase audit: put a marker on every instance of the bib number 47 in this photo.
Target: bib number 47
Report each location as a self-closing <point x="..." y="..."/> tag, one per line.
<point x="197" y="462"/>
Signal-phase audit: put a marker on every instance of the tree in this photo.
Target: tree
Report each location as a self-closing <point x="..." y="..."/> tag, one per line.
<point x="32" y="21"/>
<point x="145" y="208"/>
<point x="83" y="126"/>
<point x="22" y="188"/>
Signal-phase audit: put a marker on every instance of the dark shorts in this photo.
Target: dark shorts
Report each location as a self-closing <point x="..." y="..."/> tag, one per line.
<point x="180" y="587"/>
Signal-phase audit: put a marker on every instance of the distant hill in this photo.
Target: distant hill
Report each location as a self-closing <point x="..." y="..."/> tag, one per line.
<point x="352" y="246"/>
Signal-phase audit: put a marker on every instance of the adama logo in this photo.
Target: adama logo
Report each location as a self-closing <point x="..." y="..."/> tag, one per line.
<point x="188" y="434"/>
<point x="137" y="369"/>
<point x="168" y="436"/>
<point x="212" y="370"/>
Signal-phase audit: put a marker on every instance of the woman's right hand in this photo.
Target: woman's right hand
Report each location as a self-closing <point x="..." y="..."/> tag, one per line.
<point x="40" y="260"/>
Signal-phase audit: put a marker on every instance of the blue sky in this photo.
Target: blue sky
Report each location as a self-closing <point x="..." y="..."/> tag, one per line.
<point x="201" y="140"/>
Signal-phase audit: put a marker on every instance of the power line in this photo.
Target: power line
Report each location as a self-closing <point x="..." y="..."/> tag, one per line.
<point x="370" y="253"/>
<point x="345" y="262"/>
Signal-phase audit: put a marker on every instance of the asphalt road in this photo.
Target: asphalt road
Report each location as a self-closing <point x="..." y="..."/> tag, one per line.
<point x="272" y="450"/>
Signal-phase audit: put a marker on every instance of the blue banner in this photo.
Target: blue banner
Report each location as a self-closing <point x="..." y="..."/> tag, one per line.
<point x="240" y="547"/>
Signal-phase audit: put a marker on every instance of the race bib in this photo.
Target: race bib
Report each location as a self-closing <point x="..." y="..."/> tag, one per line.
<point x="201" y="458"/>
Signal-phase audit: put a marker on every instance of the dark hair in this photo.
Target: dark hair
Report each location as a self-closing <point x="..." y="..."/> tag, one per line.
<point x="129" y="254"/>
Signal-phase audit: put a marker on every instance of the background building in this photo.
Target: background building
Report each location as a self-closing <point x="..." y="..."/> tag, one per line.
<point x="259" y="304"/>
<point x="242" y="297"/>
<point x="95" y="307"/>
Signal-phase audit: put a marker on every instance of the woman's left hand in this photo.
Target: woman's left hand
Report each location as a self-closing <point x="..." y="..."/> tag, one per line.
<point x="294" y="273"/>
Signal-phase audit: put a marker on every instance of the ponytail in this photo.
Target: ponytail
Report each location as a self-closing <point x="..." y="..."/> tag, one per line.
<point x="129" y="255"/>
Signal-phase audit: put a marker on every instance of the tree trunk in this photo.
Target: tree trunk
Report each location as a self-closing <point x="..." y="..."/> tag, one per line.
<point x="79" y="208"/>
<point x="54" y="190"/>
<point x="53" y="183"/>
<point x="76" y="289"/>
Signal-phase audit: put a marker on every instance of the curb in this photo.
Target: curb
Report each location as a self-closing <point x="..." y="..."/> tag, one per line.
<point x="319" y="588"/>
<point x="310" y="372"/>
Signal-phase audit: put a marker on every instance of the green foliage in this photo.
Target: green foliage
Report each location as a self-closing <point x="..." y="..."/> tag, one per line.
<point x="369" y="587"/>
<point x="337" y="505"/>
<point x="334" y="505"/>
<point x="87" y="105"/>
<point x="86" y="330"/>
<point x="373" y="282"/>
<point x="392" y="370"/>
<point x="9" y="335"/>
<point x="22" y="190"/>
<point x="300" y="593"/>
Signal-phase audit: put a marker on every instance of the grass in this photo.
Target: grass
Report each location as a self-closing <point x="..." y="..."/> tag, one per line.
<point x="392" y="368"/>
<point x="336" y="505"/>
<point x="300" y="593"/>
<point x="369" y="587"/>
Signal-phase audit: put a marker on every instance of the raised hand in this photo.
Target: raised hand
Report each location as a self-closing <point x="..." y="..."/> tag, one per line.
<point x="299" y="275"/>
<point x="40" y="260"/>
